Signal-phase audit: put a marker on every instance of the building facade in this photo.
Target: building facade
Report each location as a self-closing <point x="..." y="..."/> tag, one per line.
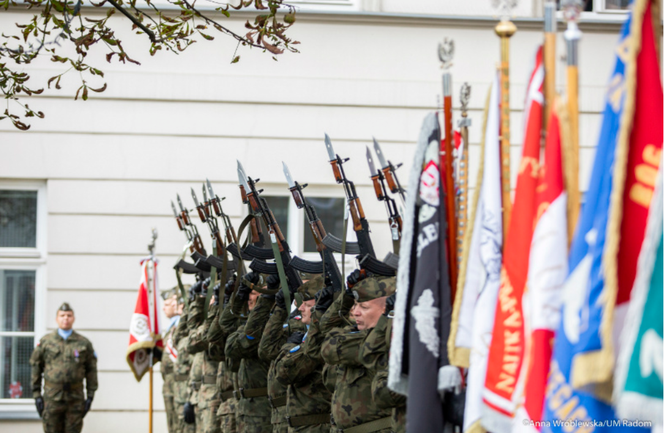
<point x="82" y="189"/>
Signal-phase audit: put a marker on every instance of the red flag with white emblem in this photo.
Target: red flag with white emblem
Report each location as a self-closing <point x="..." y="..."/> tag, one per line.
<point x="145" y="329"/>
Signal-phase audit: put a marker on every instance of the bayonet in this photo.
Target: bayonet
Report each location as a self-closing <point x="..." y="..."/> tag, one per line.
<point x="372" y="167"/>
<point x="289" y="178"/>
<point x="330" y="149"/>
<point x="193" y="195"/>
<point x="390" y="172"/>
<point x="180" y="203"/>
<point x="175" y="213"/>
<point x="379" y="154"/>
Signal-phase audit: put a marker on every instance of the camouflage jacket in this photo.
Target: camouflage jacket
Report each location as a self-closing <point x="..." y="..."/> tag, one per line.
<point x="374" y="355"/>
<point x="352" y="402"/>
<point x="303" y="375"/>
<point x="226" y="379"/>
<point x="63" y="362"/>
<point x="272" y="344"/>
<point x="203" y="380"/>
<point x="167" y="360"/>
<point x="242" y="346"/>
<point x="182" y="366"/>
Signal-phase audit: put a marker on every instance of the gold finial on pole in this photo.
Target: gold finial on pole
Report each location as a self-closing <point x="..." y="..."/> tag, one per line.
<point x="505" y="29"/>
<point x="462" y="172"/>
<point x="550" y="28"/>
<point x="572" y="13"/>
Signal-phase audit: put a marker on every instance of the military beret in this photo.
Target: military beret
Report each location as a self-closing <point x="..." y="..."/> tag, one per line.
<point x="65" y="307"/>
<point x="311" y="287"/>
<point x="374" y="287"/>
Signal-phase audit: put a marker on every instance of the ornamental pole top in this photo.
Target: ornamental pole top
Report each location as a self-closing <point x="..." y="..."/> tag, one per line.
<point x="446" y="52"/>
<point x="505" y="8"/>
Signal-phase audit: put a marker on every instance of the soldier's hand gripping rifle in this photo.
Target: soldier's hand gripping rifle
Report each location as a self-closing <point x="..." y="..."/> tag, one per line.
<point x="261" y="209"/>
<point x="393" y="216"/>
<point x="367" y="256"/>
<point x="257" y="237"/>
<point x="331" y="269"/>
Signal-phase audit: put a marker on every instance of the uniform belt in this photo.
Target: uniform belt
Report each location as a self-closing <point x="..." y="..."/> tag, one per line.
<point x="214" y="404"/>
<point x="250" y="393"/>
<point x="180" y="377"/>
<point x="367" y="427"/>
<point x="65" y="386"/>
<point x="302" y="420"/>
<point x="227" y="395"/>
<point x="209" y="380"/>
<point x="278" y="402"/>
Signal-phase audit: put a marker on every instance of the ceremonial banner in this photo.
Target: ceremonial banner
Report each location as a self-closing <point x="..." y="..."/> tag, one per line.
<point x="429" y="308"/>
<point x="475" y="302"/>
<point x="547" y="270"/>
<point x="144" y="330"/>
<point x="584" y="298"/>
<point x="636" y="164"/>
<point x="503" y="383"/>
<point x="638" y="390"/>
<point x="398" y="369"/>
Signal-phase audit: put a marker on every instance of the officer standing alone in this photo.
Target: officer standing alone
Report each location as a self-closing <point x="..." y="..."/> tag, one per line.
<point x="64" y="359"/>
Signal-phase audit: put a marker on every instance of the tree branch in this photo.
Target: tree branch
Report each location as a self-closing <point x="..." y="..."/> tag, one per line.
<point x="134" y="20"/>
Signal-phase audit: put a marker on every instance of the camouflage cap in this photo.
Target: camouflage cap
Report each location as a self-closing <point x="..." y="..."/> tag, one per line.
<point x="65" y="307"/>
<point x="168" y="294"/>
<point x="374" y="287"/>
<point x="306" y="276"/>
<point x="311" y="287"/>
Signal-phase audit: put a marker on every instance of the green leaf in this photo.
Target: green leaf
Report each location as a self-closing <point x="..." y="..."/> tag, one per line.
<point x="235" y="60"/>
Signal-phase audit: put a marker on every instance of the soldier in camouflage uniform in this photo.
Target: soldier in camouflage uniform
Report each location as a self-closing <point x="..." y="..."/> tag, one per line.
<point x="172" y="309"/>
<point x="225" y="376"/>
<point x="374" y="355"/>
<point x="300" y="368"/>
<point x="203" y="376"/>
<point x="276" y="335"/>
<point x="253" y="409"/>
<point x="64" y="358"/>
<point x="353" y="408"/>
<point x="181" y="369"/>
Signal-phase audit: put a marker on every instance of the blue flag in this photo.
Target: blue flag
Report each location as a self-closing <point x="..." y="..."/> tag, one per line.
<point x="566" y="408"/>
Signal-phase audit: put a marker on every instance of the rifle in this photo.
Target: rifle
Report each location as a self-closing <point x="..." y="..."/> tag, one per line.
<point x="367" y="256"/>
<point x="183" y="227"/>
<point x="394" y="218"/>
<point x="331" y="268"/>
<point x="199" y="251"/>
<point x="260" y="208"/>
<point x="257" y="238"/>
<point x="390" y="173"/>
<point x="213" y="204"/>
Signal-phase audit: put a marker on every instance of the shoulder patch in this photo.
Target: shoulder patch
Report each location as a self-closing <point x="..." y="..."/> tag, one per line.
<point x="285" y="325"/>
<point x="297" y="317"/>
<point x="294" y="349"/>
<point x="249" y="337"/>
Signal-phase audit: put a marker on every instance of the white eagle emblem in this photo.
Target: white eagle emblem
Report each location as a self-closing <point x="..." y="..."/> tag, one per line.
<point x="425" y="315"/>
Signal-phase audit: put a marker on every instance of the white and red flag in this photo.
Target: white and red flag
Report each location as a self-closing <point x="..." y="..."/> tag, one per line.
<point x="503" y="383"/>
<point x="145" y="329"/>
<point x="546" y="276"/>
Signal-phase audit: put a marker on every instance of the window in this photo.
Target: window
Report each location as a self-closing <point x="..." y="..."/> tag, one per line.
<point x="279" y="207"/>
<point x="599" y="6"/>
<point x="22" y="275"/>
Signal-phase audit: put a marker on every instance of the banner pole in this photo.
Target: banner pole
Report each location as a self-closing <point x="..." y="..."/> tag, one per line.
<point x="572" y="13"/>
<point x="550" y="28"/>
<point x="505" y="29"/>
<point x="151" y="390"/>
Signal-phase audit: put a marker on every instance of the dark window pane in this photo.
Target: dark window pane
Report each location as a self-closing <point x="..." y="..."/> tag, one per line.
<point x="17" y="301"/>
<point x="18" y="219"/>
<point x="279" y="207"/>
<point x="331" y="213"/>
<point x="14" y="366"/>
<point x="616" y="4"/>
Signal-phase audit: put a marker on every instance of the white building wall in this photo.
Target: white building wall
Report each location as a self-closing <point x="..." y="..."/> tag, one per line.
<point x="112" y="164"/>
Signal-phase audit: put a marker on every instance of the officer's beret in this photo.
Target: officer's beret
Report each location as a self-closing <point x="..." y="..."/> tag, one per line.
<point x="374" y="287"/>
<point x="65" y="307"/>
<point x="311" y="287"/>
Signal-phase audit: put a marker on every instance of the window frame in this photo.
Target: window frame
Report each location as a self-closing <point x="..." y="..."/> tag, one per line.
<point x="30" y="259"/>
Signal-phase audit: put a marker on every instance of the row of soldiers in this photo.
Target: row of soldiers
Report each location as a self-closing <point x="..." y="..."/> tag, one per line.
<point x="253" y="363"/>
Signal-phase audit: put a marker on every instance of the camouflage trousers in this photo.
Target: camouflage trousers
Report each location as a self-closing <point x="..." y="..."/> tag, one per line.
<point x="211" y="420"/>
<point x="279" y="424"/>
<point x="227" y="423"/>
<point x="254" y="424"/>
<point x="200" y="419"/>
<point x="63" y="416"/>
<point x="183" y="427"/>
<point x="171" y="415"/>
